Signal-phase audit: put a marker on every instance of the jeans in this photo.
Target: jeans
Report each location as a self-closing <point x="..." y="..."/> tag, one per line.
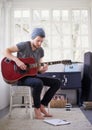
<point x="37" y="84"/>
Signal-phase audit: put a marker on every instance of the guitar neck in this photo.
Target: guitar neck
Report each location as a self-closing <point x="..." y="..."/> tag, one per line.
<point x="57" y="62"/>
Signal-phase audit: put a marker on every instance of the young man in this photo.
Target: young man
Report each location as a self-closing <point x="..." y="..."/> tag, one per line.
<point x="33" y="49"/>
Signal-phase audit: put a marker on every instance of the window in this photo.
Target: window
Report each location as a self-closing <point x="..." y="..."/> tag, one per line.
<point x="21" y="25"/>
<point x="67" y="31"/>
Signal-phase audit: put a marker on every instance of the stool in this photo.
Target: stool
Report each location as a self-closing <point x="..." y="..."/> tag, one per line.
<point x="26" y="93"/>
<point x="21" y="91"/>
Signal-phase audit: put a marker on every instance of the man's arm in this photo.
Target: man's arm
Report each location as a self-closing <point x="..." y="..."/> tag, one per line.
<point x="9" y="54"/>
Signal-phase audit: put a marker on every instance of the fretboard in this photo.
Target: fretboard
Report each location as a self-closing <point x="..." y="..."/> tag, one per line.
<point x="57" y="62"/>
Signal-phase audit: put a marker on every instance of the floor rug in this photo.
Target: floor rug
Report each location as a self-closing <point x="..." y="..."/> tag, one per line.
<point x="20" y="120"/>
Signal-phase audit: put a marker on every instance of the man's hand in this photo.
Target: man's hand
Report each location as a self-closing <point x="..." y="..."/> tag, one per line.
<point x="20" y="64"/>
<point x="43" y="68"/>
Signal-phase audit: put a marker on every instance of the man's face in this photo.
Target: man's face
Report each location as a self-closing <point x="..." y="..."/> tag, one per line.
<point x="38" y="41"/>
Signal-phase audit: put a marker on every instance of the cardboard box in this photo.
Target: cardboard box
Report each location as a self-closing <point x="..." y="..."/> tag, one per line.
<point x="87" y="105"/>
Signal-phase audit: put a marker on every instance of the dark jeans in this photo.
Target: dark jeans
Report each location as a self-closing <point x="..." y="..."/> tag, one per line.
<point x="37" y="84"/>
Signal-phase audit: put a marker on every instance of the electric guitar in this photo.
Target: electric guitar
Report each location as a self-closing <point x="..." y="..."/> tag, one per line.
<point x="11" y="72"/>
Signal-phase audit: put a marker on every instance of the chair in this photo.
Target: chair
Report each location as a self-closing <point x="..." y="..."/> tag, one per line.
<point x="21" y="91"/>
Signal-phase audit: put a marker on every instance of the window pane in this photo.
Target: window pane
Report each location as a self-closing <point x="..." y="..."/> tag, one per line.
<point x="56" y="54"/>
<point x="84" y="40"/>
<point x="47" y="55"/>
<point x="26" y="13"/>
<point x="40" y="15"/>
<point x="65" y="15"/>
<point x="56" y="43"/>
<point x="66" y="28"/>
<point x="56" y="29"/>
<point x="36" y="15"/>
<point x="75" y="28"/>
<point x="84" y="16"/>
<point x="76" y="16"/>
<point x="56" y="15"/>
<point x="84" y="29"/>
<point x="17" y="13"/>
<point x="77" y="55"/>
<point x="67" y="54"/>
<point x="67" y="41"/>
<point x="45" y="15"/>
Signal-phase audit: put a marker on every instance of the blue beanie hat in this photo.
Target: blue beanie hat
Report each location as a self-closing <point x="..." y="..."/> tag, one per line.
<point x="37" y="32"/>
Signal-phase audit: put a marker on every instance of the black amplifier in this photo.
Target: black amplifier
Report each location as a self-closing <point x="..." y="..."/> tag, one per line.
<point x="69" y="80"/>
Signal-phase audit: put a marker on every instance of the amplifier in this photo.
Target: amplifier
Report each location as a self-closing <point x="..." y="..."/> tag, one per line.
<point x="69" y="80"/>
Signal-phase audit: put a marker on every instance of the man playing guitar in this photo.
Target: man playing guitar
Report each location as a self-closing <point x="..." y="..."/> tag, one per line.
<point x="33" y="49"/>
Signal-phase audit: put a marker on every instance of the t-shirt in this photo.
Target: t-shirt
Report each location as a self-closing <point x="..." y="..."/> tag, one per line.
<point x="25" y="50"/>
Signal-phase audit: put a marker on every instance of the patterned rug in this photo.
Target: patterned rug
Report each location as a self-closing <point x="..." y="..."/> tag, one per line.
<point x="21" y="121"/>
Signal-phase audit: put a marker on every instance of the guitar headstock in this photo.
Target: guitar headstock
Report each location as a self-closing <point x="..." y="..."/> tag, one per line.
<point x="66" y="62"/>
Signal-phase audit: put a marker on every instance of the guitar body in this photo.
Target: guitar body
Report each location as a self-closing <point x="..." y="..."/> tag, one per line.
<point x="11" y="72"/>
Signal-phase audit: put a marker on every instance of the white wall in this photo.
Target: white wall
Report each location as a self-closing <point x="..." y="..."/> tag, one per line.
<point x="4" y="93"/>
<point x="4" y="39"/>
<point x="51" y="3"/>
